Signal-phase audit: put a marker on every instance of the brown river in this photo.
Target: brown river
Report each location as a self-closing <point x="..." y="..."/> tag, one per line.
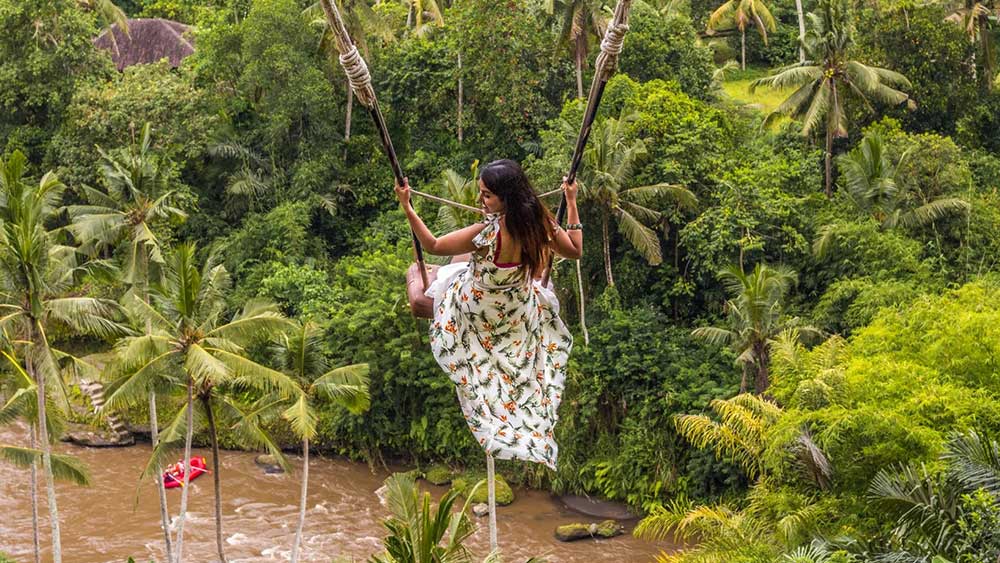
<point x="103" y="523"/>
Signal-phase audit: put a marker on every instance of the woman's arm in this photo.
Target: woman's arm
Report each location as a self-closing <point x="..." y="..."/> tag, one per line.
<point x="569" y="243"/>
<point x="451" y="244"/>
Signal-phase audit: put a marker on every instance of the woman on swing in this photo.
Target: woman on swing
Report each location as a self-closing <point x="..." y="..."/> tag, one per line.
<point x="496" y="331"/>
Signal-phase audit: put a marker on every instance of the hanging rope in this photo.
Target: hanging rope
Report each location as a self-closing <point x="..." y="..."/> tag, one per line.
<point x="361" y="84"/>
<point x="464" y="206"/>
<point x="604" y="68"/>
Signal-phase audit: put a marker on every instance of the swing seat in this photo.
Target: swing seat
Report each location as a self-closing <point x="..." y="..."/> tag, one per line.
<point x="422" y="306"/>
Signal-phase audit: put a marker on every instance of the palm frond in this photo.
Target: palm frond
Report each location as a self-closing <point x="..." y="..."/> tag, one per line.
<point x="64" y="467"/>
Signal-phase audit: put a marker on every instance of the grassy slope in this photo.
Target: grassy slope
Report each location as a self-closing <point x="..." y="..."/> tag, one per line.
<point x="737" y="87"/>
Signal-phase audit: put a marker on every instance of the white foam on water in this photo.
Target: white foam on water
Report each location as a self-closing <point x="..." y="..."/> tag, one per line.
<point x="237" y="539"/>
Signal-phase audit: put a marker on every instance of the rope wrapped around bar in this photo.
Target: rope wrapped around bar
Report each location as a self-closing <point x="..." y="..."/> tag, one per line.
<point x="350" y="59"/>
<point x="611" y="47"/>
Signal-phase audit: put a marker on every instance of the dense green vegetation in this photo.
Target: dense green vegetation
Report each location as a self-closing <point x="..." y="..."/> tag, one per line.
<point x="836" y="263"/>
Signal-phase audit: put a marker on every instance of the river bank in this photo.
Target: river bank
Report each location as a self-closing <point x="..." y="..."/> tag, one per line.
<point x="103" y="523"/>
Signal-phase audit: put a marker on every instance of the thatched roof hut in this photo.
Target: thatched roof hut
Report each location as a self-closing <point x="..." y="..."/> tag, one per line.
<point x="149" y="40"/>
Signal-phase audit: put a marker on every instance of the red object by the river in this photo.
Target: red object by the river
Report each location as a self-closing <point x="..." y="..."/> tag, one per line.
<point x="174" y="475"/>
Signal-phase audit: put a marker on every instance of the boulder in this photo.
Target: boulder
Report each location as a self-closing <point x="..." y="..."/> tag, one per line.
<point x="464" y="484"/>
<point x="482" y="509"/>
<point x="573" y="532"/>
<point x="269" y="463"/>
<point x="439" y="475"/>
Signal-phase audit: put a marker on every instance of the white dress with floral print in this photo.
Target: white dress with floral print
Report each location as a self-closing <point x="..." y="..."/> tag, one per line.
<point x="502" y="343"/>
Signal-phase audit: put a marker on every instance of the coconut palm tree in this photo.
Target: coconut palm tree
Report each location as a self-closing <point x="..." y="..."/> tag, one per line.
<point x="581" y="21"/>
<point x="22" y="404"/>
<point x="829" y="78"/>
<point x="191" y="334"/>
<point x="608" y="164"/>
<point x="34" y="272"/>
<point x="300" y="354"/>
<point x="136" y="195"/>
<point x="740" y="14"/>
<point x="754" y="317"/>
<point x="868" y="176"/>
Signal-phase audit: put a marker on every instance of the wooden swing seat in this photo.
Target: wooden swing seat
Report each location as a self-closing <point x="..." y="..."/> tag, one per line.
<point x="422" y="306"/>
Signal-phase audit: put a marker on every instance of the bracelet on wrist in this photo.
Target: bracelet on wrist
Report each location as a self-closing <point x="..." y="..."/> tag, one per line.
<point x="574" y="227"/>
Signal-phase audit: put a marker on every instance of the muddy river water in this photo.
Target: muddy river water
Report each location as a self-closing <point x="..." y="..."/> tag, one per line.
<point x="105" y="523"/>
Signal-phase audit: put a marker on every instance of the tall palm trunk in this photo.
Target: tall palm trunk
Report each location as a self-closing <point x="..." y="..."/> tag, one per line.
<point x="583" y="306"/>
<point x="38" y="344"/>
<point x="580" y="54"/>
<point x="743" y="49"/>
<point x="802" y="30"/>
<point x="207" y="403"/>
<point x="154" y="425"/>
<point x="350" y="108"/>
<point x="188" y="434"/>
<point x="154" y="432"/>
<point x="34" y="498"/>
<point x="762" y="378"/>
<point x="302" y="501"/>
<point x="460" y="96"/>
<point x="607" y="249"/>
<point x="828" y="164"/>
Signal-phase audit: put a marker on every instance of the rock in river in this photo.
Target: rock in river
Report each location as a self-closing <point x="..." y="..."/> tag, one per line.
<point x="573" y="532"/>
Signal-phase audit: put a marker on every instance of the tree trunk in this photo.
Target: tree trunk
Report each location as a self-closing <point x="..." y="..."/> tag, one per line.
<point x="829" y="160"/>
<point x="38" y="344"/>
<point x="207" y="403"/>
<point x="583" y="306"/>
<point x="762" y="377"/>
<point x="802" y="30"/>
<point x="579" y="66"/>
<point x="189" y="432"/>
<point x="154" y="433"/>
<point x="302" y="501"/>
<point x="350" y="108"/>
<point x="743" y="49"/>
<point x="607" y="249"/>
<point x="35" y="536"/>
<point x="743" y="380"/>
<point x="409" y="14"/>
<point x="460" y="96"/>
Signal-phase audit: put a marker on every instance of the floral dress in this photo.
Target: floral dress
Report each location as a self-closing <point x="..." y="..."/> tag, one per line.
<point x="502" y="343"/>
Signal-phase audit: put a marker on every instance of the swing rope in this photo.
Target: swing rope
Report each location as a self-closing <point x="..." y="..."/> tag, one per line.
<point x="479" y="210"/>
<point x="604" y="68"/>
<point x="361" y="83"/>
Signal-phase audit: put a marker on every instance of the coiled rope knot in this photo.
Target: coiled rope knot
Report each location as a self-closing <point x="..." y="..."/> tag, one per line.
<point x="358" y="75"/>
<point x="614" y="39"/>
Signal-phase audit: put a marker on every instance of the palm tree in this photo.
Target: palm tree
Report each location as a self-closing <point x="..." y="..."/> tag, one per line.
<point x="830" y="77"/>
<point x="34" y="272"/>
<point x="608" y="164"/>
<point x="299" y="353"/>
<point x="136" y="195"/>
<point x="755" y="533"/>
<point x="582" y="19"/>
<point x="977" y="19"/>
<point x="421" y="14"/>
<point x="361" y="21"/>
<point x="189" y="331"/>
<point x="754" y="317"/>
<point x="463" y="190"/>
<point x="869" y="179"/>
<point x="741" y="13"/>
<point x="928" y="505"/>
<point x="22" y="404"/>
<point x="420" y="534"/>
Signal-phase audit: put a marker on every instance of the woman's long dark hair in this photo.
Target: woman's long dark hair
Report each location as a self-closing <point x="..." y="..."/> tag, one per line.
<point x="529" y="222"/>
